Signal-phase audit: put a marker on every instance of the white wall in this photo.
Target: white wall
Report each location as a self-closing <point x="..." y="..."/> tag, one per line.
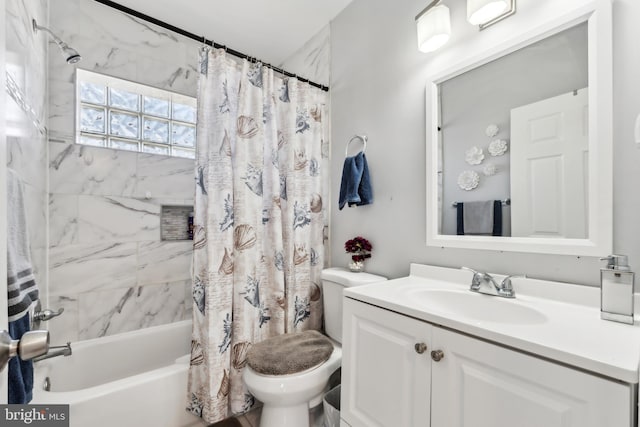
<point x="378" y="88"/>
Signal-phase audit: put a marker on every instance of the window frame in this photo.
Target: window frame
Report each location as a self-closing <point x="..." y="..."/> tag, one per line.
<point x="142" y="91"/>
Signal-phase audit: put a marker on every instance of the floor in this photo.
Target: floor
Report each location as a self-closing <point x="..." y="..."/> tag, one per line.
<point x="252" y="419"/>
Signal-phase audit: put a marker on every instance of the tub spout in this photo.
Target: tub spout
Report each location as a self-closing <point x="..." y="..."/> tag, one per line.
<point x="55" y="351"/>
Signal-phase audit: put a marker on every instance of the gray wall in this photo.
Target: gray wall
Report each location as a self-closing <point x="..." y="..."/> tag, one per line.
<point x="378" y="88"/>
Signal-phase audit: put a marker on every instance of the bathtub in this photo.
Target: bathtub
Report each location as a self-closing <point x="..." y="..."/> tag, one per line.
<point x="134" y="379"/>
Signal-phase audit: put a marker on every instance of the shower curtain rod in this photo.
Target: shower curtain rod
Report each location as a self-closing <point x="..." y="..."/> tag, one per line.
<point x="202" y="39"/>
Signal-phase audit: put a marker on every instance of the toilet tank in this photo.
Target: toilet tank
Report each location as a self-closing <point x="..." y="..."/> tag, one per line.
<point x="334" y="280"/>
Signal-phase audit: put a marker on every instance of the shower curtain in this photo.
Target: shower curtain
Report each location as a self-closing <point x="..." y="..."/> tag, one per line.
<point x="259" y="222"/>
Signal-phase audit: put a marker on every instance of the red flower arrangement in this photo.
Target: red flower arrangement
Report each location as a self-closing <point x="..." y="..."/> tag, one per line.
<point x="359" y="247"/>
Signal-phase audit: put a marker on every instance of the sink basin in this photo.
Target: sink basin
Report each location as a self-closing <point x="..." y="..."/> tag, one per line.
<point x="484" y="308"/>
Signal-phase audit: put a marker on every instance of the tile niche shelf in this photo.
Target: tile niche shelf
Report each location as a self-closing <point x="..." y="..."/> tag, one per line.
<point x="174" y="223"/>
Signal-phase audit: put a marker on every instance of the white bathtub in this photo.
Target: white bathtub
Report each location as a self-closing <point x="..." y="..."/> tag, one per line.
<point x="134" y="379"/>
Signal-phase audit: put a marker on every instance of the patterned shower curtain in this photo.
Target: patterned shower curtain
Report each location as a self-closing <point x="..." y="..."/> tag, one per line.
<point x="259" y="223"/>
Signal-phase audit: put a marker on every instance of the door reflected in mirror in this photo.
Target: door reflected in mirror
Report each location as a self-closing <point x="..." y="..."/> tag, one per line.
<point x="514" y="144"/>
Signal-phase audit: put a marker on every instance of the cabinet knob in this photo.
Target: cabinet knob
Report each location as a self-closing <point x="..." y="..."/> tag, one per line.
<point x="420" y="347"/>
<point x="437" y="355"/>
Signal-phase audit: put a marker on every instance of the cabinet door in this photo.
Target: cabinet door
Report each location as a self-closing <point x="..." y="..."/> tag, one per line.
<point x="478" y="384"/>
<point x="385" y="380"/>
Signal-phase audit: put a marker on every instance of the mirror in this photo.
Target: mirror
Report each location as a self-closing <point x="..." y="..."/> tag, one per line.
<point x="519" y="143"/>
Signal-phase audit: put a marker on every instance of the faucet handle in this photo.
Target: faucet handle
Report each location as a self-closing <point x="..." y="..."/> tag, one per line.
<point x="470" y="269"/>
<point x="506" y="287"/>
<point x="476" y="280"/>
<point x="47" y="314"/>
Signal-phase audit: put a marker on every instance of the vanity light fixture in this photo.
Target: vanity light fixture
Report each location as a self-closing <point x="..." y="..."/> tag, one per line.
<point x="70" y="54"/>
<point x="487" y="12"/>
<point x="434" y="26"/>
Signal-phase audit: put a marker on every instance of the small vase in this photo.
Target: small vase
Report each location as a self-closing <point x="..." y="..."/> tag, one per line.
<point x="356" y="266"/>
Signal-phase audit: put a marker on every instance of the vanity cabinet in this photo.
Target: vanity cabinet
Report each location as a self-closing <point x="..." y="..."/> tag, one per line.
<point x="385" y="377"/>
<point x="390" y="380"/>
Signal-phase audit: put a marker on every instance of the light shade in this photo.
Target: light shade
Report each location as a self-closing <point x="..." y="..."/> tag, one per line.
<point x="434" y="28"/>
<point x="482" y="11"/>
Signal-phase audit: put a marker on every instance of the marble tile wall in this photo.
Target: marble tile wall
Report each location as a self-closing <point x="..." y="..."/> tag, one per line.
<point x="312" y="60"/>
<point x="108" y="267"/>
<point x="118" y="45"/>
<point x="27" y="120"/>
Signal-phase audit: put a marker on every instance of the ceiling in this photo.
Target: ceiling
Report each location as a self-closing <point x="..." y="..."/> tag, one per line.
<point x="269" y="30"/>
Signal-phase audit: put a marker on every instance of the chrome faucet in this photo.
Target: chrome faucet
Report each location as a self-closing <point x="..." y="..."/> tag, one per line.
<point x="59" y="350"/>
<point x="504" y="289"/>
<point x="40" y="315"/>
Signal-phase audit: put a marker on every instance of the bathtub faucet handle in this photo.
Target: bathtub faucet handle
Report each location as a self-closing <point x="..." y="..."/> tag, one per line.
<point x="44" y="315"/>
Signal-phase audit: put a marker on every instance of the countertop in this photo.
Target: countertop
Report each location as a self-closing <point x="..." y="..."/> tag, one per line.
<point x="572" y="333"/>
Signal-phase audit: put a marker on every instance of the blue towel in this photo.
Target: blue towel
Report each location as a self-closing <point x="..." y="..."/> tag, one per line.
<point x="355" y="187"/>
<point x="20" y="371"/>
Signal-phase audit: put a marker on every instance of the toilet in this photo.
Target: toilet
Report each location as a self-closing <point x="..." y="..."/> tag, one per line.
<point x="287" y="398"/>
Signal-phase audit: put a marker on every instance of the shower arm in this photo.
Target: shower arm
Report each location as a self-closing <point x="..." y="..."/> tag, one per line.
<point x="59" y="42"/>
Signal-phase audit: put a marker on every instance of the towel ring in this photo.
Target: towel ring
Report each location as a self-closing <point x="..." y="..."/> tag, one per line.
<point x="362" y="138"/>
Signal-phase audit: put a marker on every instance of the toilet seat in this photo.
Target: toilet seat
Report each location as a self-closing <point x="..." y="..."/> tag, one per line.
<point x="290" y="354"/>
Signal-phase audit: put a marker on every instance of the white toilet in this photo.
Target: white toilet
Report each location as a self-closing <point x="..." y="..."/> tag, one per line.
<point x="287" y="398"/>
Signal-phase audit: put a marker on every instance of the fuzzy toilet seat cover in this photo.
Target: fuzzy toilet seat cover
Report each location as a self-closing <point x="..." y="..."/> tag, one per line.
<point x="289" y="353"/>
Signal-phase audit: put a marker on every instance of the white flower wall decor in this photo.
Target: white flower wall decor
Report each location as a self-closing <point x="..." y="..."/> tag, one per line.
<point x="474" y="156"/>
<point x="498" y="147"/>
<point x="468" y="180"/>
<point x="490" y="170"/>
<point x="492" y="130"/>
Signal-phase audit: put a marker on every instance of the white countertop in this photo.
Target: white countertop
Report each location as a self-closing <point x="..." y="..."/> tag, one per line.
<point x="573" y="332"/>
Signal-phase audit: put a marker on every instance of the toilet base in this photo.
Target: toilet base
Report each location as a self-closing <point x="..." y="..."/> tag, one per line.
<point x="285" y="416"/>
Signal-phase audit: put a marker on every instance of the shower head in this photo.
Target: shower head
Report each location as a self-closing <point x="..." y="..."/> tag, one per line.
<point x="70" y="54"/>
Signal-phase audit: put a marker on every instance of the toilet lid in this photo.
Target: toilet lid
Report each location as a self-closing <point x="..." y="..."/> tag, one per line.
<point x="289" y="353"/>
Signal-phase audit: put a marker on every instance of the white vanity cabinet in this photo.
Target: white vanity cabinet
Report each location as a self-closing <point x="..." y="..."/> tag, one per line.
<point x="387" y="380"/>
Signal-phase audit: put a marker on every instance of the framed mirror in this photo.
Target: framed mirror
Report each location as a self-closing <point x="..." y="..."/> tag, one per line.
<point x="519" y="142"/>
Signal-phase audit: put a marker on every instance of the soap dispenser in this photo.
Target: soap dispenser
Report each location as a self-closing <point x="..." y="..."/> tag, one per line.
<point x="616" y="290"/>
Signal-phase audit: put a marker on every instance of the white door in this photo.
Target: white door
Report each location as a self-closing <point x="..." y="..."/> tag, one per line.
<point x="478" y="384"/>
<point x="549" y="167"/>
<point x="385" y="379"/>
<point x="3" y="195"/>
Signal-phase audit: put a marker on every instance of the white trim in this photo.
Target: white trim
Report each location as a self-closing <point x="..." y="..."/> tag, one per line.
<point x="4" y="325"/>
<point x="598" y="14"/>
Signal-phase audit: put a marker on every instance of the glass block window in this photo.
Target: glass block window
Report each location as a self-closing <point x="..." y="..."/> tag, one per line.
<point x="124" y="115"/>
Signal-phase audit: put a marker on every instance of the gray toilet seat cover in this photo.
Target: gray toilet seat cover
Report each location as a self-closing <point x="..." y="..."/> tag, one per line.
<point x="289" y="353"/>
